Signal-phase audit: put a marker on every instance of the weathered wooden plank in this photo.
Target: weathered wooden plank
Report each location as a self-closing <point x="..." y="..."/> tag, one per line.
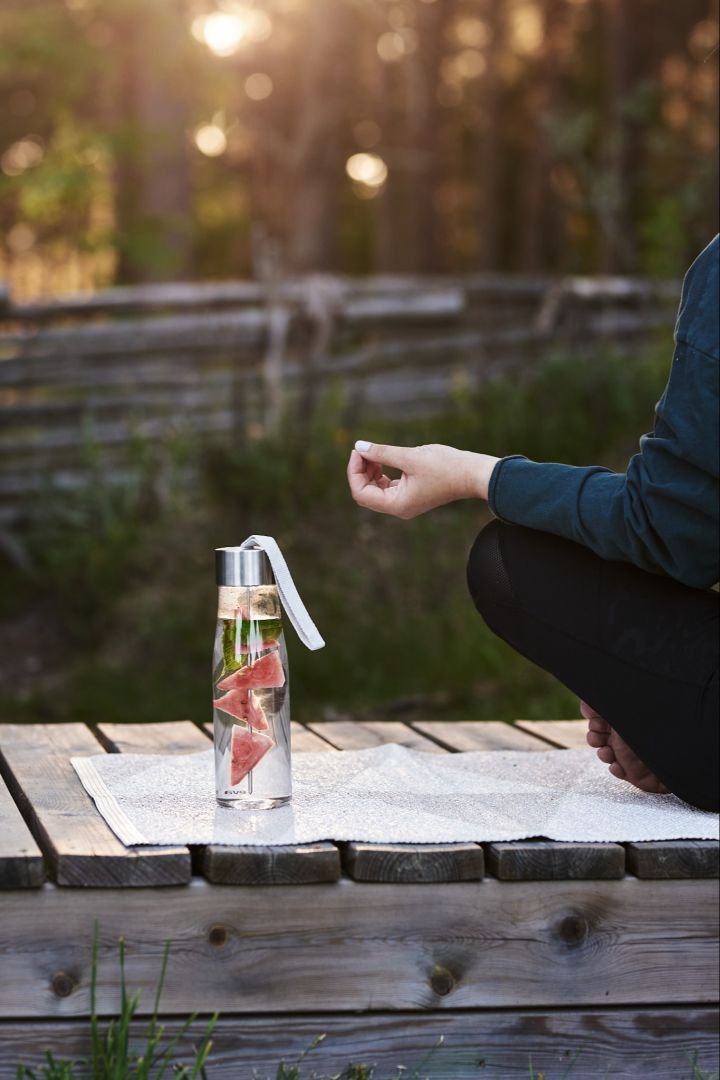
<point x="112" y="432"/>
<point x="164" y="737"/>
<point x="21" y="864"/>
<point x="413" y="862"/>
<point x="347" y="946"/>
<point x="545" y="860"/>
<point x="566" y="734"/>
<point x="305" y="740"/>
<point x="674" y="859"/>
<point x="398" y="862"/>
<point x="362" y="734"/>
<point x="630" y="1043"/>
<point x="185" y="296"/>
<point x="243" y="864"/>
<point x="227" y="329"/>
<point x="298" y="864"/>
<point x="528" y="860"/>
<point x="477" y="735"/>
<point x="80" y="847"/>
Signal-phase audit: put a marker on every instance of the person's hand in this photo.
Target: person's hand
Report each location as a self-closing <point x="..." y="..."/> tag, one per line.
<point x="430" y="476"/>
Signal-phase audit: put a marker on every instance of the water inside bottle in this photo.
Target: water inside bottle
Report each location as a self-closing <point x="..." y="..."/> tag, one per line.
<point x="251" y="708"/>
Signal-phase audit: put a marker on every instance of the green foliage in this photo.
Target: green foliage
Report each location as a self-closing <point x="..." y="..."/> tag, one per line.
<point x="115" y="1054"/>
<point x="125" y="570"/>
<point x="84" y="545"/>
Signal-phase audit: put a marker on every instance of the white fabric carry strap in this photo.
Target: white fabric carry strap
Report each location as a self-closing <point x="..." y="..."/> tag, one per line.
<point x="298" y="614"/>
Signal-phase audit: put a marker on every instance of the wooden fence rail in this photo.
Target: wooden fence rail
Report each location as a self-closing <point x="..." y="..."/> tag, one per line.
<point x="157" y="360"/>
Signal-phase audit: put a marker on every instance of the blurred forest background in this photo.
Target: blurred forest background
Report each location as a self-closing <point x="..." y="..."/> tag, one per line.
<point x="205" y="140"/>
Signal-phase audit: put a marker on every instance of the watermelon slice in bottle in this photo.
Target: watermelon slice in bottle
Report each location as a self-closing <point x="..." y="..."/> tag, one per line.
<point x="264" y="673"/>
<point x="247" y="748"/>
<point x="243" y="706"/>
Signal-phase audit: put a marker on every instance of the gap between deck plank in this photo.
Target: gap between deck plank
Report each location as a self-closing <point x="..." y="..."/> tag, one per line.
<point x="219" y="863"/>
<point x="21" y="861"/>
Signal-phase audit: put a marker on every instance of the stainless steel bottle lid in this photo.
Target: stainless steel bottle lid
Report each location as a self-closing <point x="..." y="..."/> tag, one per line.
<point x="243" y="566"/>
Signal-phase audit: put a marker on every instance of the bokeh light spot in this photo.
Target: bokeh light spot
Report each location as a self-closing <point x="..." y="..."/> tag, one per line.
<point x="369" y="170"/>
<point x="470" y="64"/>
<point x="223" y="33"/>
<point x="472" y="32"/>
<point x="395" y="44"/>
<point x="527" y="29"/>
<point x="210" y="140"/>
<point x="258" y="86"/>
<point x="703" y="38"/>
<point x="22" y="155"/>
<point x="259" y="25"/>
<point x="20" y="238"/>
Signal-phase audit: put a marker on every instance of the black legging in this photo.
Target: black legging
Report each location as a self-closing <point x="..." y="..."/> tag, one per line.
<point x="641" y="649"/>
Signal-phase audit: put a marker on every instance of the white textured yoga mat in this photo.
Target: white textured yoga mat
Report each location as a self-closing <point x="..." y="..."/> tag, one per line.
<point x="389" y="794"/>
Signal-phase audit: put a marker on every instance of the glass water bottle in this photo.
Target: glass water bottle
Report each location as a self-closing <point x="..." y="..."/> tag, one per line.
<point x="251" y="705"/>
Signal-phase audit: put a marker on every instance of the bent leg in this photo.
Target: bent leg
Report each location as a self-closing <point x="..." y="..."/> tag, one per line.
<point x="641" y="649"/>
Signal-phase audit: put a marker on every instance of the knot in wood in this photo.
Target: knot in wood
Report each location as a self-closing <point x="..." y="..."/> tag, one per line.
<point x="442" y="981"/>
<point x="62" y="984"/>
<point x="573" y="929"/>
<point x="217" y="936"/>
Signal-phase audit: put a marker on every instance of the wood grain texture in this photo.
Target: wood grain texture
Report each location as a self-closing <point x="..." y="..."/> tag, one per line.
<point x="296" y="864"/>
<point x="349" y="946"/>
<point x="629" y="1043"/>
<point x="240" y="865"/>
<point x="566" y="734"/>
<point x="413" y="862"/>
<point x="545" y="860"/>
<point x="477" y="735"/>
<point x="21" y="863"/>
<point x="305" y="740"/>
<point x="81" y="849"/>
<point x="164" y="737"/>
<point x="674" y="859"/>
<point x="361" y="734"/>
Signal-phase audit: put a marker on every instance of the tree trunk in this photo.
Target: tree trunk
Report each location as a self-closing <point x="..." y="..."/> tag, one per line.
<point x="149" y="118"/>
<point x="318" y="149"/>
<point x="488" y="152"/>
<point x="616" y="246"/>
<point x="535" y="194"/>
<point x="424" y="152"/>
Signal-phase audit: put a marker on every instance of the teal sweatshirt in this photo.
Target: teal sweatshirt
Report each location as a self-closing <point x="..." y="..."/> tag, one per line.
<point x="662" y="513"/>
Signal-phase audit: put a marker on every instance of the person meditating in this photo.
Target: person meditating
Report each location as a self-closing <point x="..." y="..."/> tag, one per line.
<point x="601" y="578"/>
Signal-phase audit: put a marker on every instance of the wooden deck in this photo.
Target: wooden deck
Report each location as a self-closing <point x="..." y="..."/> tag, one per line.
<point x="532" y="947"/>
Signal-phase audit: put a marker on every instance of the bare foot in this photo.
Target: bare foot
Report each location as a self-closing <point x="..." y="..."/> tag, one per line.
<point x="615" y="752"/>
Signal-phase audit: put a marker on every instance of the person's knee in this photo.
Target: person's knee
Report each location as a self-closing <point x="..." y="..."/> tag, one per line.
<point x="487" y="575"/>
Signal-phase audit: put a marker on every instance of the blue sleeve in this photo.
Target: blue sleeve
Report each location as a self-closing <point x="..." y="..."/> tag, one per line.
<point x="662" y="513"/>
